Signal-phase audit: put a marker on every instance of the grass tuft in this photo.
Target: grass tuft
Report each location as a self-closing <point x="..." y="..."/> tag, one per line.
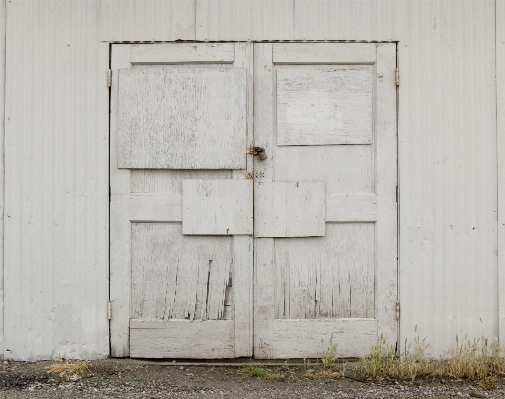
<point x="66" y="369"/>
<point x="477" y="361"/>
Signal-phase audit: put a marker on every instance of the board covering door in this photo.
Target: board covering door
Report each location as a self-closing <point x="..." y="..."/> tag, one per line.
<point x="181" y="266"/>
<point x="326" y="115"/>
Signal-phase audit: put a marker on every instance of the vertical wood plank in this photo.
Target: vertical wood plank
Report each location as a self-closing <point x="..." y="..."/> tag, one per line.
<point x="263" y="247"/>
<point x="243" y="245"/>
<point x="386" y="225"/>
<point x="500" y="131"/>
<point x="120" y="227"/>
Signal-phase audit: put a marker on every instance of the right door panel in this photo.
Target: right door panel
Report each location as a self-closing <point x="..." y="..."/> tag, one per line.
<point x="326" y="112"/>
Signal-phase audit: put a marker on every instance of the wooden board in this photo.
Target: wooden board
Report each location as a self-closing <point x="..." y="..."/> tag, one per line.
<point x="157" y="273"/>
<point x="313" y="338"/>
<point x="182" y="118"/>
<point x="351" y="208"/>
<point x="179" y="277"/>
<point x="289" y="209"/>
<point x="324" y="53"/>
<point x="326" y="277"/>
<point x="217" y="207"/>
<point x="325" y="105"/>
<point x="182" y="338"/>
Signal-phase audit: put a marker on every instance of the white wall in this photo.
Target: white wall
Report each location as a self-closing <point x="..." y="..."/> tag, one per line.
<point x="2" y="113"/>
<point x="56" y="203"/>
<point x="56" y="181"/>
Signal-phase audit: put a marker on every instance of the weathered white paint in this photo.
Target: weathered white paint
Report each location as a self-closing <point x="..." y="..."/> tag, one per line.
<point x="183" y="339"/>
<point x="56" y="198"/>
<point x="351" y="208"/>
<point x="324" y="53"/>
<point x="325" y="106"/>
<point x="157" y="273"/>
<point x="157" y="207"/>
<point x="447" y="154"/>
<point x="175" y="53"/>
<point x="351" y="271"/>
<point x="217" y="207"/>
<point x="500" y="131"/>
<point x="205" y="127"/>
<point x="179" y="277"/>
<point x="289" y="209"/>
<point x="316" y="336"/>
<point x="326" y="277"/>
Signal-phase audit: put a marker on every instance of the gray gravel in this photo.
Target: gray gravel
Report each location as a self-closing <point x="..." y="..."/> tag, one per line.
<point x="127" y="378"/>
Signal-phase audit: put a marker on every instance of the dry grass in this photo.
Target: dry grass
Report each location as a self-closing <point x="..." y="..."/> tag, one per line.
<point x="68" y="368"/>
<point x="477" y="361"/>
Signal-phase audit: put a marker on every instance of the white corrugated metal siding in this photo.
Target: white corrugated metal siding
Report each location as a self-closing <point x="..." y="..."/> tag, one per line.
<point x="2" y="135"/>
<point x="56" y="237"/>
<point x="56" y="149"/>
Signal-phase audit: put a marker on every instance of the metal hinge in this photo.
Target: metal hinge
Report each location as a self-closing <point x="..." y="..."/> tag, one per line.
<point x="109" y="310"/>
<point x="397" y="310"/>
<point x="109" y="78"/>
<point x="397" y="77"/>
<point x="397" y="194"/>
<point x="110" y="194"/>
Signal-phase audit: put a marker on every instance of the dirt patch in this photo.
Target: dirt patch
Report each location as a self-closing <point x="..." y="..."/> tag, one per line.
<point x="128" y="378"/>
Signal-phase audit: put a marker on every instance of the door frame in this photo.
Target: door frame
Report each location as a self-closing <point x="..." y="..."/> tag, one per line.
<point x="111" y="305"/>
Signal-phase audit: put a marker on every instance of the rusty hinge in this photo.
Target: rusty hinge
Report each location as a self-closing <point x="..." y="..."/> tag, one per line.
<point x="397" y="77"/>
<point x="397" y="310"/>
<point x="109" y="78"/>
<point x="109" y="310"/>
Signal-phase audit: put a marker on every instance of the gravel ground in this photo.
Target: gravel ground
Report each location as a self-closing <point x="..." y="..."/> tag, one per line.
<point x="127" y="378"/>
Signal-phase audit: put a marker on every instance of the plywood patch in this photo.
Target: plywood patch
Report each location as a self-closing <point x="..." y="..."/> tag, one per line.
<point x="325" y="105"/>
<point x="180" y="277"/>
<point x="180" y="118"/>
<point x="326" y="277"/>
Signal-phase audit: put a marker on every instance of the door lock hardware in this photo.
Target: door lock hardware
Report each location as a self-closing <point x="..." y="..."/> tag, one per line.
<point x="258" y="151"/>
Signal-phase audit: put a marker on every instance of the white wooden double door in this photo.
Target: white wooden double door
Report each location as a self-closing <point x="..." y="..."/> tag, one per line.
<point x="218" y="254"/>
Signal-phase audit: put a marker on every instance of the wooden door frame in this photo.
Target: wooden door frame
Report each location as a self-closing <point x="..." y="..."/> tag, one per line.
<point x="111" y="304"/>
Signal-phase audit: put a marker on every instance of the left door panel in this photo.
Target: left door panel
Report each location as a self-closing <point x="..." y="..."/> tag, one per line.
<point x="180" y="112"/>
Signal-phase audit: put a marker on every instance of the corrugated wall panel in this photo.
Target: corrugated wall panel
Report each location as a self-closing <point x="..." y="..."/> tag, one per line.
<point x="2" y="136"/>
<point x="147" y="20"/>
<point x="56" y="238"/>
<point x="500" y="129"/>
<point x="244" y="20"/>
<point x="56" y="149"/>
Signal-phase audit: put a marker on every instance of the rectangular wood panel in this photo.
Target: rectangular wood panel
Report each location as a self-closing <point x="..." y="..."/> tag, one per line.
<point x="320" y="106"/>
<point x="179" y="277"/>
<point x="183" y="53"/>
<point x="182" y="338"/>
<point x="326" y="277"/>
<point x="304" y="338"/>
<point x="351" y="208"/>
<point x="289" y="209"/>
<point x="217" y="207"/>
<point x="155" y="208"/>
<point x="324" y="53"/>
<point x="182" y="118"/>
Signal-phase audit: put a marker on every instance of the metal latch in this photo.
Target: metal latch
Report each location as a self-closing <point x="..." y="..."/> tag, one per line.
<point x="258" y="151"/>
